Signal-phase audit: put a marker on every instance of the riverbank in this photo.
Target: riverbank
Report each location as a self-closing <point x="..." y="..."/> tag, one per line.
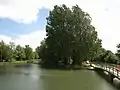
<point x="67" y="67"/>
<point x="61" y="67"/>
<point x="19" y="62"/>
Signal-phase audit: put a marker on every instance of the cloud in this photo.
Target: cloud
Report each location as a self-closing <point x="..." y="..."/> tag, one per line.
<point x="20" y="14"/>
<point x="33" y="39"/>
<point x="26" y="11"/>
<point x="5" y="38"/>
<point x="105" y="15"/>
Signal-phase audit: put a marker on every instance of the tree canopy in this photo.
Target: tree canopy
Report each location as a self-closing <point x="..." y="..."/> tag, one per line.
<point x="70" y="36"/>
<point x="28" y="52"/>
<point x="11" y="51"/>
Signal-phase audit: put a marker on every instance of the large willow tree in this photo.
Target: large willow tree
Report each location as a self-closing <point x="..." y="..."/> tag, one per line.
<point x="70" y="36"/>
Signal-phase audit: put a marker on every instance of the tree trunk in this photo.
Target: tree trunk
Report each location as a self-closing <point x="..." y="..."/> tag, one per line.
<point x="65" y="61"/>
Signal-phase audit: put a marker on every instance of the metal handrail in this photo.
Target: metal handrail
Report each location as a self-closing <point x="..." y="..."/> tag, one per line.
<point x="110" y="68"/>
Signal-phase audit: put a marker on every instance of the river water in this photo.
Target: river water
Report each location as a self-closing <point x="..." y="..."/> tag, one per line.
<point x="32" y="77"/>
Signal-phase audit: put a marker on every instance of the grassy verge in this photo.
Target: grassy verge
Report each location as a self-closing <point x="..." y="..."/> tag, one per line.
<point x="19" y="62"/>
<point x="4" y="63"/>
<point x="32" y="61"/>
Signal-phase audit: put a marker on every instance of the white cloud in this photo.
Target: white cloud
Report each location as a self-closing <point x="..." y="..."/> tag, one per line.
<point x="26" y="11"/>
<point x="5" y="38"/>
<point x="105" y="15"/>
<point x="33" y="39"/>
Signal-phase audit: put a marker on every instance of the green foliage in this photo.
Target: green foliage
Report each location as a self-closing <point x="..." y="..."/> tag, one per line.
<point x="19" y="53"/>
<point x="35" y="55"/>
<point x="110" y="57"/>
<point x="10" y="52"/>
<point x="107" y="56"/>
<point x="37" y="50"/>
<point x="28" y="52"/>
<point x="12" y="48"/>
<point x="41" y="50"/>
<point x="70" y="35"/>
<point x="30" y="61"/>
<point x="5" y="51"/>
<point x="118" y="51"/>
<point x="19" y="62"/>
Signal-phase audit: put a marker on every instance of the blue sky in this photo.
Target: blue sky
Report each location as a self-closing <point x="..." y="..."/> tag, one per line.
<point x="23" y="21"/>
<point x="13" y="29"/>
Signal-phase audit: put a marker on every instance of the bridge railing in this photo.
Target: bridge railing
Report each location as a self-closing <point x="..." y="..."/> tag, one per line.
<point x="111" y="68"/>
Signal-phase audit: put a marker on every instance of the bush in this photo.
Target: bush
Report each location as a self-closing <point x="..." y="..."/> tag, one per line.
<point x="30" y="61"/>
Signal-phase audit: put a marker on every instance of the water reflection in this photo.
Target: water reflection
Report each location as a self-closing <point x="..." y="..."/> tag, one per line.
<point x="32" y="77"/>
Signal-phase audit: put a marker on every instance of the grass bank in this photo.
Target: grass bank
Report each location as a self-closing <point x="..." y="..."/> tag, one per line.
<point x="19" y="62"/>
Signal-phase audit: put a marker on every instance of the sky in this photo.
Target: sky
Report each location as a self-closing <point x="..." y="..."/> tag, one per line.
<point x="23" y="21"/>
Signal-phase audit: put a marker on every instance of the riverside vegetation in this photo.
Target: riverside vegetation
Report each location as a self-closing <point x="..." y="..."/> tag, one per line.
<point x="70" y="40"/>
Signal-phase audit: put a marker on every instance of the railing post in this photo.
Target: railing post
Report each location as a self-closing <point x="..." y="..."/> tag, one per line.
<point x="113" y="70"/>
<point x="117" y="72"/>
<point x="106" y="67"/>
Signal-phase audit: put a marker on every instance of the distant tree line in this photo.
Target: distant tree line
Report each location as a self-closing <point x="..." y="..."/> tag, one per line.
<point x="107" y="56"/>
<point x="9" y="52"/>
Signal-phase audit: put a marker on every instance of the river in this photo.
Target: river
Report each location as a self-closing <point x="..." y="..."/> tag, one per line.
<point x="32" y="77"/>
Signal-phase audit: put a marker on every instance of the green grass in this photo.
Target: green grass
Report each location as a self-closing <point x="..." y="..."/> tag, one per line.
<point x="15" y="62"/>
<point x="18" y="62"/>
<point x="32" y="61"/>
<point x="4" y="63"/>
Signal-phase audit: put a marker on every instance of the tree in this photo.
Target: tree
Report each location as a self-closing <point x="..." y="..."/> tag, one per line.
<point x="101" y="55"/>
<point x="28" y="52"/>
<point x="38" y="51"/>
<point x="12" y="47"/>
<point x="70" y="35"/>
<point x="19" y="53"/>
<point x="107" y="56"/>
<point x="5" y="51"/>
<point x="41" y="50"/>
<point x="118" y="50"/>
<point x="111" y="57"/>
<point x="96" y="50"/>
<point x="35" y="55"/>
